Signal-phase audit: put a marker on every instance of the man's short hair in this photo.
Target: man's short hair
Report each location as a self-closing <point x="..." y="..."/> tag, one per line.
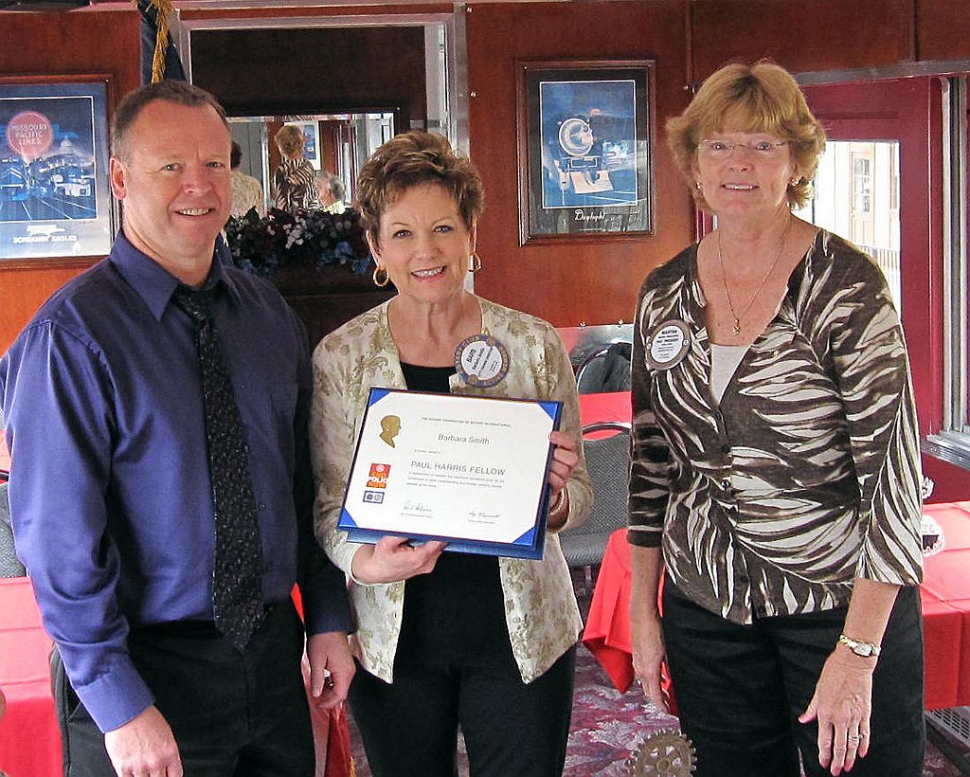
<point x="130" y="108"/>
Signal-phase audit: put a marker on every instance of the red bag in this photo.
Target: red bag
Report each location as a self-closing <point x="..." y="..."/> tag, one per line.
<point x="340" y="758"/>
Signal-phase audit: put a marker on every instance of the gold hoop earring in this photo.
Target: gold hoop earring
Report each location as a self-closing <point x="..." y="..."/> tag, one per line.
<point x="794" y="181"/>
<point x="474" y="263"/>
<point x="380" y="277"/>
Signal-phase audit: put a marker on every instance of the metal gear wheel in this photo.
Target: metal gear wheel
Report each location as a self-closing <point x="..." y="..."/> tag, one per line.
<point x="664" y="753"/>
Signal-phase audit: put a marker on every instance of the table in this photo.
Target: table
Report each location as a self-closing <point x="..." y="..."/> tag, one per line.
<point x="945" y="594"/>
<point x="30" y="742"/>
<point x="609" y="406"/>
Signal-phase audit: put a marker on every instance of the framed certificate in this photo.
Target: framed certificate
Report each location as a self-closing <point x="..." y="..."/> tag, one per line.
<point x="469" y="470"/>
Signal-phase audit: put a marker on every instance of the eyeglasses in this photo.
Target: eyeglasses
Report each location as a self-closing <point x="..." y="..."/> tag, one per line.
<point x="723" y="149"/>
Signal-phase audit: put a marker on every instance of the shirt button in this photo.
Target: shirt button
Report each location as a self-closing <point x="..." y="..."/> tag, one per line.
<point x="262" y="505"/>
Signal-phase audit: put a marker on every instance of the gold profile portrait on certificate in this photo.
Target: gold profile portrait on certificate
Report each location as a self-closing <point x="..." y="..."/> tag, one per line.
<point x="471" y="471"/>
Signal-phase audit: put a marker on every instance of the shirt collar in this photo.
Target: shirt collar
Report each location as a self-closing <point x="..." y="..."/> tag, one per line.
<point x="154" y="284"/>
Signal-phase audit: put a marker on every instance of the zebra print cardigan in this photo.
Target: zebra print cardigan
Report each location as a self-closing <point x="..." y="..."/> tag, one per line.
<point x="806" y="476"/>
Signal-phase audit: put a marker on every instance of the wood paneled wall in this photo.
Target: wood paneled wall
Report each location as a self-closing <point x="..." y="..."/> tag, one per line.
<point x="88" y="42"/>
<point x="315" y="70"/>
<point x="804" y="35"/>
<point x="567" y="283"/>
<point x="943" y="30"/>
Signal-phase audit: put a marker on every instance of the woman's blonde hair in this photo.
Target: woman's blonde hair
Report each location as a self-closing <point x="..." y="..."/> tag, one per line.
<point x="289" y="138"/>
<point x="759" y="98"/>
<point x="413" y="159"/>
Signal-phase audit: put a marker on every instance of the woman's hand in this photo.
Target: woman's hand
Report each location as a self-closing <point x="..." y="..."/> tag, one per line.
<point x="646" y="628"/>
<point x="393" y="559"/>
<point x="842" y="705"/>
<point x="649" y="652"/>
<point x="564" y="461"/>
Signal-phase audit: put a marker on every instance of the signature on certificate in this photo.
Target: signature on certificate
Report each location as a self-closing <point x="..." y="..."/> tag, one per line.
<point x="415" y="507"/>
<point x="480" y="516"/>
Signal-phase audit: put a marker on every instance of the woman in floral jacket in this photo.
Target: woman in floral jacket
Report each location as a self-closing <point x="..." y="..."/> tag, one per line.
<point x="447" y="640"/>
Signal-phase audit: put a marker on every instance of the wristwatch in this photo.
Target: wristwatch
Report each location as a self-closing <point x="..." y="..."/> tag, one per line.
<point x="864" y="649"/>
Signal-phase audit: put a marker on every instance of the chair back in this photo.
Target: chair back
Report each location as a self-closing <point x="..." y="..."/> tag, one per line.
<point x="606" y="369"/>
<point x="10" y="565"/>
<point x="608" y="463"/>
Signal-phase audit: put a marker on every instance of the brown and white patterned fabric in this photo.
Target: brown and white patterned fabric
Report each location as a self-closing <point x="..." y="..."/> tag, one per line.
<point x="541" y="611"/>
<point x="294" y="185"/>
<point x="807" y="474"/>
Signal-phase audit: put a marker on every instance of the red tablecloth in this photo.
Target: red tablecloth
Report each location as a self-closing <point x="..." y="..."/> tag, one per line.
<point x="30" y="743"/>
<point x="946" y="611"/>
<point x="612" y="406"/>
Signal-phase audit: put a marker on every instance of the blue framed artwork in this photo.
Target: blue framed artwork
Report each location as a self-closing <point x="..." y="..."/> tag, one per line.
<point x="311" y="151"/>
<point x="585" y="149"/>
<point x="55" y="198"/>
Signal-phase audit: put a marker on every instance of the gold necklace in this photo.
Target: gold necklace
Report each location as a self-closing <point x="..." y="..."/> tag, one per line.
<point x="737" y="318"/>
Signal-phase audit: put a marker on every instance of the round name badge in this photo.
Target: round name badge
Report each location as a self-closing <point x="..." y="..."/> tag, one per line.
<point x="668" y="345"/>
<point x="481" y="360"/>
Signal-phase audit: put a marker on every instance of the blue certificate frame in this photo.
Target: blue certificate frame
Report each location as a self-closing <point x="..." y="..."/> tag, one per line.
<point x="468" y="470"/>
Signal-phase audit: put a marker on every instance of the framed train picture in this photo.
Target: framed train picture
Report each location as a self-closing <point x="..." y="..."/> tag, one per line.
<point x="585" y="148"/>
<point x="55" y="197"/>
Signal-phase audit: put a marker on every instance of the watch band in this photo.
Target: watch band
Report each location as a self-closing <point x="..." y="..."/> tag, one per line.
<point x="864" y="649"/>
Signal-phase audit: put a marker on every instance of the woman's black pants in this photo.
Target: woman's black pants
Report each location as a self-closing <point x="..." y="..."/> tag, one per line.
<point x="740" y="689"/>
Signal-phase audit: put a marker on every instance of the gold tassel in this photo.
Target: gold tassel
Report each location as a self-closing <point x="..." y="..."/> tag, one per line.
<point x="163" y="12"/>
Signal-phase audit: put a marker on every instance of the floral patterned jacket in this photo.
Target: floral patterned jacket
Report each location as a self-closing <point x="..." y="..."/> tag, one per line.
<point x="541" y="611"/>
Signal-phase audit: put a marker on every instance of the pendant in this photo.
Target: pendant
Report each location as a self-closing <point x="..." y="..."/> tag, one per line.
<point x="737" y="327"/>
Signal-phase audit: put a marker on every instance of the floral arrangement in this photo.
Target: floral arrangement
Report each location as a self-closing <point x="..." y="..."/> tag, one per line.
<point x="304" y="238"/>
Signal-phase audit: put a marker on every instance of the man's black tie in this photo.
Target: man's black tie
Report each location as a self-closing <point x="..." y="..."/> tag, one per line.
<point x="236" y="582"/>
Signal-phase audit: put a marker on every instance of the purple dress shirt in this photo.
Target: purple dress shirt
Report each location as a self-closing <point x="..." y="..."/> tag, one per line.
<point x="109" y="489"/>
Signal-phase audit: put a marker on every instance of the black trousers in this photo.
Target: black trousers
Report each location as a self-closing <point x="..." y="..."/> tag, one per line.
<point x="511" y="729"/>
<point x="454" y="669"/>
<point x="740" y="689"/>
<point x="233" y="714"/>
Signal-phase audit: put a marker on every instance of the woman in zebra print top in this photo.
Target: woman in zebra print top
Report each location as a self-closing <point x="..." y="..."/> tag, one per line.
<point x="776" y="469"/>
<point x="294" y="182"/>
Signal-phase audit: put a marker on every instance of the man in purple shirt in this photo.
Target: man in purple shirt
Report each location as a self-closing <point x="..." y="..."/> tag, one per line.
<point x="110" y="492"/>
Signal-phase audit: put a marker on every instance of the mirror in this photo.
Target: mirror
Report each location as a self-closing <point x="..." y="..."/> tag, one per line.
<point x="339" y="143"/>
<point x="350" y="81"/>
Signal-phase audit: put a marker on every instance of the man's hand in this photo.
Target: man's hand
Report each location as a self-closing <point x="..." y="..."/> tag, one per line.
<point x="331" y="668"/>
<point x="144" y="747"/>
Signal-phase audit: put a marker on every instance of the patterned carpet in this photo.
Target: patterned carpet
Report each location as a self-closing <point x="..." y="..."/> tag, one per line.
<point x="608" y="726"/>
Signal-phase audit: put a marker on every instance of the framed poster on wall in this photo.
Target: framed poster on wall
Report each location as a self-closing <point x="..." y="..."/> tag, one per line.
<point x="55" y="199"/>
<point x="311" y="141"/>
<point x="585" y="130"/>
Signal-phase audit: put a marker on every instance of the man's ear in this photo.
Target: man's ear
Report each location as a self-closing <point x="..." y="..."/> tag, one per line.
<point x="117" y="174"/>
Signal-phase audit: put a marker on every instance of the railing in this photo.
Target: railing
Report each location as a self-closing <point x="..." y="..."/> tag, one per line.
<point x="888" y="261"/>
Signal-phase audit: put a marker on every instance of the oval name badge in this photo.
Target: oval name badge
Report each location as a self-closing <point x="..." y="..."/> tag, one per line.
<point x="668" y="345"/>
<point x="481" y="360"/>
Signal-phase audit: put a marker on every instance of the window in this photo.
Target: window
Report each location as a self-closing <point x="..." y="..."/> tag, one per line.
<point x="856" y="196"/>
<point x="953" y="441"/>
